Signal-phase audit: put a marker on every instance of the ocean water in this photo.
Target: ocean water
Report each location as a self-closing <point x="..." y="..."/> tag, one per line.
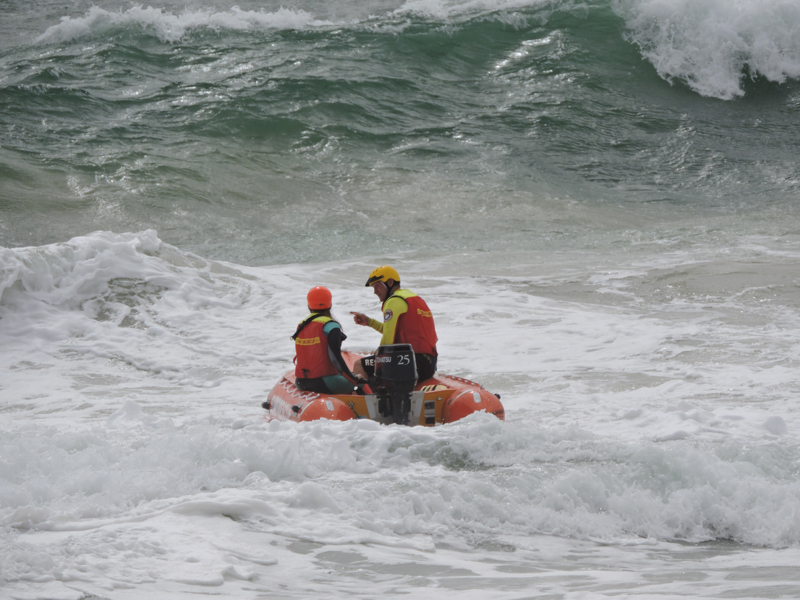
<point x="599" y="200"/>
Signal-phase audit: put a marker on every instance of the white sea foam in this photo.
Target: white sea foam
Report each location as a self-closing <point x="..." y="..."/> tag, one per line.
<point x="444" y="9"/>
<point x="171" y="27"/>
<point x="189" y="503"/>
<point x="566" y="481"/>
<point x="711" y="44"/>
<point x="135" y="456"/>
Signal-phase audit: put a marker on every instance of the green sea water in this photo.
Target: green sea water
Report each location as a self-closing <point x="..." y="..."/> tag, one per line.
<point x="264" y="134"/>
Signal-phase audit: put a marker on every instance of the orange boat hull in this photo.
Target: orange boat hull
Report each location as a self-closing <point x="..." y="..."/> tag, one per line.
<point x="440" y="399"/>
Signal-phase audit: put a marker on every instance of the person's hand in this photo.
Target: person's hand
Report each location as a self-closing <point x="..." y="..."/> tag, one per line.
<point x="360" y="318"/>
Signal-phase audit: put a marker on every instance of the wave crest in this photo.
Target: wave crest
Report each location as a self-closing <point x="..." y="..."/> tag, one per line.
<point x="713" y="45"/>
<point x="170" y="27"/>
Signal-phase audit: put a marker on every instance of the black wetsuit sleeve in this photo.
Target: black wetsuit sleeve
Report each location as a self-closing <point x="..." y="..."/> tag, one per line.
<point x="335" y="346"/>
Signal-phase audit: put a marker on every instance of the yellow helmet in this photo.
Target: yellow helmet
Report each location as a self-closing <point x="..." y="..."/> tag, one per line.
<point x="383" y="274"/>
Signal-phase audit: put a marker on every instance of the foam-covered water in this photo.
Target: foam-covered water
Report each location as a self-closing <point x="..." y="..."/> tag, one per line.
<point x="714" y="46"/>
<point x="597" y="200"/>
<point x="135" y="456"/>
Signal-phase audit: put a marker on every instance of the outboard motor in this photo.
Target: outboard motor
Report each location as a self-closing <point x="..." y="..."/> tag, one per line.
<point x="394" y="380"/>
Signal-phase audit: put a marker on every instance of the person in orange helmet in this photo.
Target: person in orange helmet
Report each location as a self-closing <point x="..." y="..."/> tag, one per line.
<point x="406" y="320"/>
<point x="319" y="365"/>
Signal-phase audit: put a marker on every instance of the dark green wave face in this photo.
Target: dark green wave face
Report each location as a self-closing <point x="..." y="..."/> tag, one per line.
<point x="262" y="134"/>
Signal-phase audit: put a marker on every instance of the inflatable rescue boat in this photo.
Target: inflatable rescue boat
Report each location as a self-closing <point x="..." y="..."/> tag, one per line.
<point x="393" y="395"/>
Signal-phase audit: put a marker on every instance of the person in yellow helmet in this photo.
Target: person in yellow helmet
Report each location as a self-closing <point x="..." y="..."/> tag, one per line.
<point x="406" y="320"/>
<point x="319" y="365"/>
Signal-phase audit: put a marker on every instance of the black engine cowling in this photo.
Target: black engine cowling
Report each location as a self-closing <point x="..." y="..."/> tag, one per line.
<point x="394" y="380"/>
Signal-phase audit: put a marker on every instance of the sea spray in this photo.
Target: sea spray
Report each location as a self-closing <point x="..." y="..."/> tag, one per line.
<point x="714" y="46"/>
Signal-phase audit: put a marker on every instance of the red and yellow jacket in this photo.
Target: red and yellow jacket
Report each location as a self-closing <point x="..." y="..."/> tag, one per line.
<point x="312" y="359"/>
<point x="407" y="320"/>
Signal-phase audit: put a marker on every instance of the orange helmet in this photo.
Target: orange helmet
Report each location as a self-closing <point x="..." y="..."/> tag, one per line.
<point x="383" y="274"/>
<point x="319" y="298"/>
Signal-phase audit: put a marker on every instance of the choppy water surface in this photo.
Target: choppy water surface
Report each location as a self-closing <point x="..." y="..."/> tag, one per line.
<point x="597" y="200"/>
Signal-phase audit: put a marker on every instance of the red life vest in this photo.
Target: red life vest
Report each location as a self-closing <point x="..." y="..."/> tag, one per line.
<point x="415" y="326"/>
<point x="311" y="351"/>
